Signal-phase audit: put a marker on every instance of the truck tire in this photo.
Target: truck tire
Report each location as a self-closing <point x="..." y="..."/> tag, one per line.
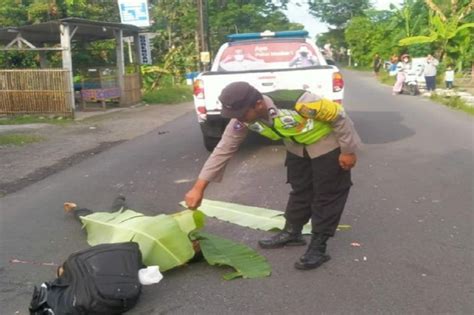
<point x="212" y="131"/>
<point x="210" y="142"/>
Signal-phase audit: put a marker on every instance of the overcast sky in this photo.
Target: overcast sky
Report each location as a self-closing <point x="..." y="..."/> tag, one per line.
<point x="299" y="14"/>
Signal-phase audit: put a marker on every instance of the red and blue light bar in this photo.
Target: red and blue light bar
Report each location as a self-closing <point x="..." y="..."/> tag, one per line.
<point x="266" y="34"/>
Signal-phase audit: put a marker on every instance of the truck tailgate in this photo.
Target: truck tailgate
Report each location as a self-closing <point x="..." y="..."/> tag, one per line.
<point x="317" y="80"/>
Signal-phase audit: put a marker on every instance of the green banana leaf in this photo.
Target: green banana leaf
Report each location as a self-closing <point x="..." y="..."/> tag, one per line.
<point x="161" y="239"/>
<point x="417" y="40"/>
<point x="246" y="262"/>
<point x="252" y="217"/>
<point x="189" y="220"/>
<point x="464" y="26"/>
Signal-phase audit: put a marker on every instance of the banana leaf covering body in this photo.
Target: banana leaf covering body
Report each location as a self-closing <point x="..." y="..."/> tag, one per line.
<point x="161" y="239"/>
<point x="164" y="240"/>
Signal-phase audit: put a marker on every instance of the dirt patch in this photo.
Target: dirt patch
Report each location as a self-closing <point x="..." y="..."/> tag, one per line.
<point x="66" y="145"/>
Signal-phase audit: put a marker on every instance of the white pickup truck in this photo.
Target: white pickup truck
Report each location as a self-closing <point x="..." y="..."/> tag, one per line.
<point x="270" y="61"/>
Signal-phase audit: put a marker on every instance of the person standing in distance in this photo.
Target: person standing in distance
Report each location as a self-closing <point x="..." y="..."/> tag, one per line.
<point x="320" y="154"/>
<point x="449" y="77"/>
<point x="429" y="71"/>
<point x="403" y="67"/>
<point x="377" y="64"/>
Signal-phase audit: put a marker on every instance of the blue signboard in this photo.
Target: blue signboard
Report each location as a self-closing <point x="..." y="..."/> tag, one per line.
<point x="134" y="12"/>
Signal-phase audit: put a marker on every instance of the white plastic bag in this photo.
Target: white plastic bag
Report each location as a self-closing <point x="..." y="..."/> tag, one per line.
<point x="150" y="275"/>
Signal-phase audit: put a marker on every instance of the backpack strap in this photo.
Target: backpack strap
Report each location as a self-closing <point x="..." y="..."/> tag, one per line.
<point x="39" y="301"/>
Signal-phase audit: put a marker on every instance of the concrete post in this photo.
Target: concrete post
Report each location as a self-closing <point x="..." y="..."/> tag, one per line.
<point x="67" y="59"/>
<point x="43" y="59"/>
<point x="120" y="64"/>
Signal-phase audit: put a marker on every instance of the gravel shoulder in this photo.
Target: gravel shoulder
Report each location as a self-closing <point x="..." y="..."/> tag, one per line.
<point x="66" y="145"/>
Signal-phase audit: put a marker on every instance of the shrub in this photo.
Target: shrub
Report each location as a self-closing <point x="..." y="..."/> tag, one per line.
<point x="169" y="95"/>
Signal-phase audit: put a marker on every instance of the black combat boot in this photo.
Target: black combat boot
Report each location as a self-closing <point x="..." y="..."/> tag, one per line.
<point x="315" y="255"/>
<point x="289" y="236"/>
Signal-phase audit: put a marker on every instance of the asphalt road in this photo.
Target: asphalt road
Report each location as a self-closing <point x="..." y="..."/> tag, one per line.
<point x="410" y="209"/>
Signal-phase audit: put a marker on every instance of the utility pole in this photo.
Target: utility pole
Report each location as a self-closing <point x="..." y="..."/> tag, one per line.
<point x="202" y="42"/>
<point x="203" y="31"/>
<point x="206" y="25"/>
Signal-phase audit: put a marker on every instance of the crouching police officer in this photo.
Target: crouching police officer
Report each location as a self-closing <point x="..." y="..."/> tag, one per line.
<point x="320" y="154"/>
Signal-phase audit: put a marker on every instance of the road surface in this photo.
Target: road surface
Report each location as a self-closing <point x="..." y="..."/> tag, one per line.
<point x="410" y="209"/>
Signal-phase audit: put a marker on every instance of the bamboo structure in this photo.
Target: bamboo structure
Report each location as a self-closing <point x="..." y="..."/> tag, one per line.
<point x="35" y="91"/>
<point x="131" y="93"/>
<point x="52" y="91"/>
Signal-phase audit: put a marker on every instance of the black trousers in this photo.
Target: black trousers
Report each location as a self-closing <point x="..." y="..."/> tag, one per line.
<point x="119" y="203"/>
<point x="430" y="83"/>
<point x="319" y="191"/>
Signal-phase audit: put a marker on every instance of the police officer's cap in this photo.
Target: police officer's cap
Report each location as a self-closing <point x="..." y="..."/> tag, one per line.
<point x="236" y="98"/>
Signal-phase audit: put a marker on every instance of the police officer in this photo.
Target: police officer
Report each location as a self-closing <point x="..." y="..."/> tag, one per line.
<point x="320" y="154"/>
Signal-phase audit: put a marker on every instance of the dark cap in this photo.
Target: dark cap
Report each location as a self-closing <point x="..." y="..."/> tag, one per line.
<point x="236" y="98"/>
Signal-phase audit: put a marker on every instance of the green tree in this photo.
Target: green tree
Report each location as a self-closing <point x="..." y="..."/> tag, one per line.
<point x="362" y="36"/>
<point x="22" y="12"/>
<point x="175" y="52"/>
<point x="242" y="16"/>
<point x="411" y="17"/>
<point x="13" y="13"/>
<point x="333" y="36"/>
<point x="460" y="52"/>
<point x="336" y="12"/>
<point x="176" y="25"/>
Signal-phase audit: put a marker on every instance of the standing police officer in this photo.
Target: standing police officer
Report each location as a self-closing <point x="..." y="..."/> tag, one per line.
<point x="320" y="154"/>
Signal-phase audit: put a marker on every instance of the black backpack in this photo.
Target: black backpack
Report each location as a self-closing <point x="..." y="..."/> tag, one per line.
<point x="99" y="280"/>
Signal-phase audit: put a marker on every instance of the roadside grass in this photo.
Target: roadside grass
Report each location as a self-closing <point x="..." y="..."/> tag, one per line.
<point x="385" y="78"/>
<point x="33" y="119"/>
<point x="169" y="95"/>
<point x="451" y="101"/>
<point x="18" y="139"/>
<point x="454" y="102"/>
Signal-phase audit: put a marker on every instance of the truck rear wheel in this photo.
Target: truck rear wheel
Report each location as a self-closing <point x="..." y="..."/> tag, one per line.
<point x="212" y="131"/>
<point x="210" y="142"/>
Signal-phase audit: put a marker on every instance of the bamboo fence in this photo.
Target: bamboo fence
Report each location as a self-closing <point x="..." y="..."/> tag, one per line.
<point x="35" y="91"/>
<point x="132" y="92"/>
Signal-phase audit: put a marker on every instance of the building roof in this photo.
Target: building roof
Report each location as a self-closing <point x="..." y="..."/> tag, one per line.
<point x="48" y="32"/>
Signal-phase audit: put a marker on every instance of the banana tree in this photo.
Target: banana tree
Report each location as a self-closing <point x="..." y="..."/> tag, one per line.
<point x="151" y="76"/>
<point x="176" y="61"/>
<point x="461" y="52"/>
<point x="443" y="27"/>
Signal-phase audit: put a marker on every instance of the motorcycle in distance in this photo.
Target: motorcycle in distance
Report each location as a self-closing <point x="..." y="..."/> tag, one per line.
<point x="410" y="85"/>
